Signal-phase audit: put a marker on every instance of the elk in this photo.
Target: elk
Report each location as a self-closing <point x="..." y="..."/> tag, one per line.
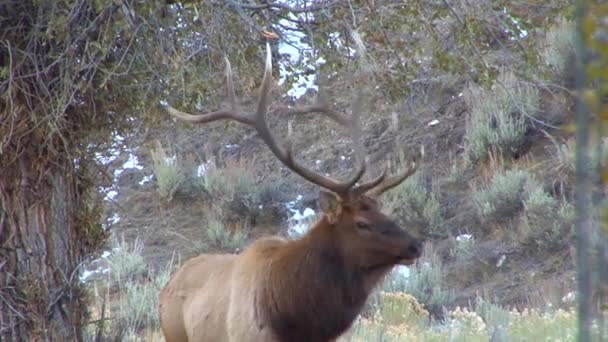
<point x="307" y="289"/>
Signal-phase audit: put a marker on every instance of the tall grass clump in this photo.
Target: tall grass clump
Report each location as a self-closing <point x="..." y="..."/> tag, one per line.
<point x="125" y="304"/>
<point x="425" y="282"/>
<point x="559" y="46"/>
<point x="498" y="117"/>
<point x="126" y="262"/>
<point x="233" y="182"/>
<point x="138" y="304"/>
<point x="463" y="248"/>
<point x="566" y="156"/>
<point x="219" y="236"/>
<point x="503" y="196"/>
<point x="169" y="175"/>
<point x="542" y="219"/>
<point x="546" y="221"/>
<point x="495" y="317"/>
<point x="412" y="202"/>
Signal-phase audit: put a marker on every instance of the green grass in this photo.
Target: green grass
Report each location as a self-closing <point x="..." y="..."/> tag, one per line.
<point x="219" y="236"/>
<point x="405" y="320"/>
<point x="498" y="119"/>
<point x="546" y="221"/>
<point x="124" y="306"/>
<point x="234" y="181"/>
<point x="414" y="204"/>
<point x="126" y="262"/>
<point x="503" y="196"/>
<point x="559" y="46"/>
<point x="138" y="303"/>
<point x="169" y="175"/>
<point x="425" y="283"/>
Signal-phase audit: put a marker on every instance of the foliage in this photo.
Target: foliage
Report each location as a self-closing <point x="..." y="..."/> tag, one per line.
<point x="495" y="317"/>
<point x="219" y="236"/>
<point x="425" y="282"/>
<point x="546" y="221"/>
<point x="233" y="182"/>
<point x="498" y="117"/>
<point x="129" y="300"/>
<point x="138" y="305"/>
<point x="503" y="196"/>
<point x="464" y="248"/>
<point x="566" y="156"/>
<point x="126" y="262"/>
<point x="559" y="49"/>
<point x="487" y="322"/>
<point x="414" y="204"/>
<point x="169" y="175"/>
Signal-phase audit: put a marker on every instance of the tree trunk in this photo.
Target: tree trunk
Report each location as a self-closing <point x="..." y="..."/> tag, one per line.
<point x="41" y="247"/>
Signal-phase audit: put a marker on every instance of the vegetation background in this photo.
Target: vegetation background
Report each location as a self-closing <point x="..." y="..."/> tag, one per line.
<point x="91" y="165"/>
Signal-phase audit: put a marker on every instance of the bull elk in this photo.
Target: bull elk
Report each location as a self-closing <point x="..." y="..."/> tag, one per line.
<point x="308" y="289"/>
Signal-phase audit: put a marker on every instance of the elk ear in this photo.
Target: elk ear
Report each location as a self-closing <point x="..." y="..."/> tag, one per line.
<point x="331" y="205"/>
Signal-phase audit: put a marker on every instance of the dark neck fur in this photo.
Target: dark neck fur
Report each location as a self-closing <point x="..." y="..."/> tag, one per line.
<point x="312" y="294"/>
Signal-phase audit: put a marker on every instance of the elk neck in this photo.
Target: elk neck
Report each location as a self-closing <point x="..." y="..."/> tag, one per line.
<point x="313" y="292"/>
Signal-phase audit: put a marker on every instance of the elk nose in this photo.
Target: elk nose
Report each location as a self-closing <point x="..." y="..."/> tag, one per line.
<point x="415" y="249"/>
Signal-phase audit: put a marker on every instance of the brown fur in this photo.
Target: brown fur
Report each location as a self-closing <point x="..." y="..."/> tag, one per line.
<point x="310" y="289"/>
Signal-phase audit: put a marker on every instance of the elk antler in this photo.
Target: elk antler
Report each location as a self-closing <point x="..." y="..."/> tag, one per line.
<point x="381" y="184"/>
<point x="284" y="153"/>
<point x="389" y="183"/>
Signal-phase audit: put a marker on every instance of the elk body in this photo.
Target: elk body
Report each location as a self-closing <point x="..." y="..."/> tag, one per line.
<point x="310" y="289"/>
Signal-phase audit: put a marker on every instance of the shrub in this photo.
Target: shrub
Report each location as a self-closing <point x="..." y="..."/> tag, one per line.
<point x="413" y="203"/>
<point x="495" y="317"/>
<point x="127" y="309"/>
<point x="138" y="305"/>
<point x="398" y="308"/>
<point x="234" y="182"/>
<point x="566" y="155"/>
<point x="559" y="46"/>
<point x="504" y="195"/>
<point x="539" y="211"/>
<point x="126" y="262"/>
<point x="498" y="118"/>
<point x="546" y="221"/>
<point x="219" y="236"/>
<point x="426" y="284"/>
<point x="169" y="175"/>
<point x="464" y="248"/>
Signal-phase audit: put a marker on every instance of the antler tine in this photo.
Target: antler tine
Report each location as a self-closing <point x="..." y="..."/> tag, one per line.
<point x="320" y="106"/>
<point x="387" y="183"/>
<point x="284" y="154"/>
<point x="393" y="181"/>
<point x="363" y="188"/>
<point x="223" y="114"/>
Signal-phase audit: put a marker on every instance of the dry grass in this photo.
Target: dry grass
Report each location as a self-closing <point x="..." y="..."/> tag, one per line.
<point x="125" y="308"/>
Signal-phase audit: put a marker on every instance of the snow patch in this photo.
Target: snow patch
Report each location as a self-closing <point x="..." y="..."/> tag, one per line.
<point x="146" y="179"/>
<point x="110" y="195"/>
<point x="464" y="237"/>
<point x="403" y="271"/>
<point x="299" y="222"/>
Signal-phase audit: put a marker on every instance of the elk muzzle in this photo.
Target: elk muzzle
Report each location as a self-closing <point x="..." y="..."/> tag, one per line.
<point x="412" y="252"/>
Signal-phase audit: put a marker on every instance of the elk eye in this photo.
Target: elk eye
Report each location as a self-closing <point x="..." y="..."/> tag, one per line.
<point x="362" y="225"/>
